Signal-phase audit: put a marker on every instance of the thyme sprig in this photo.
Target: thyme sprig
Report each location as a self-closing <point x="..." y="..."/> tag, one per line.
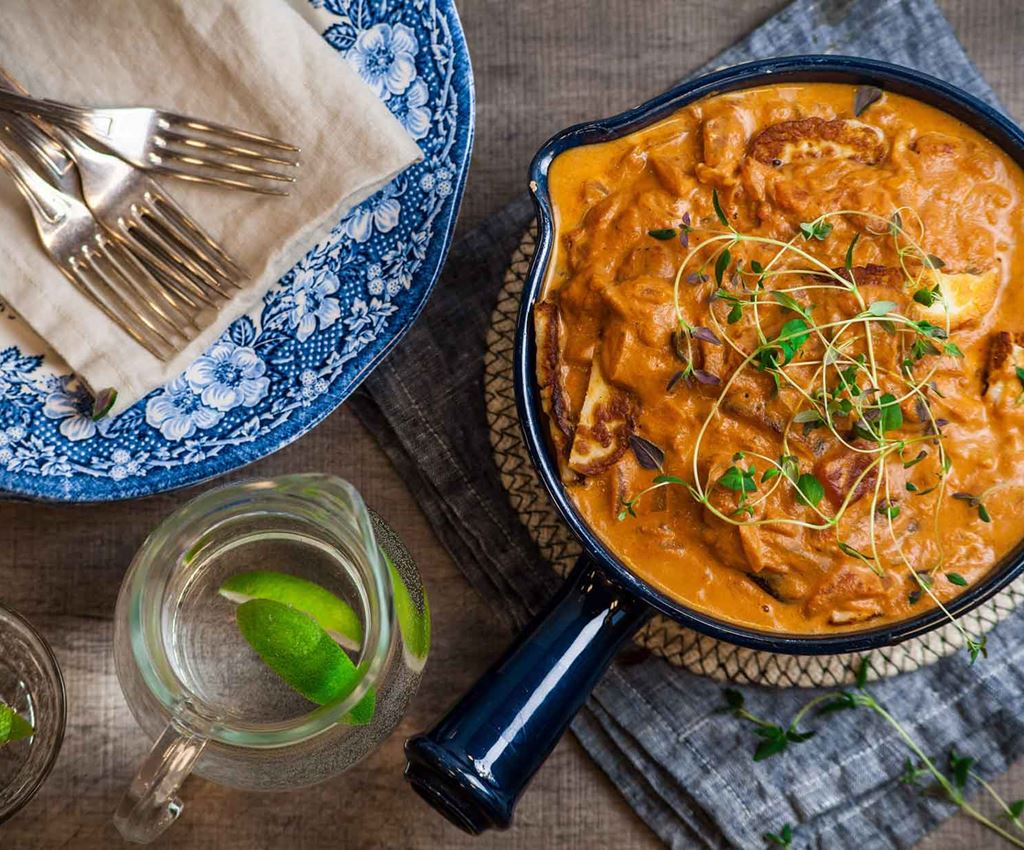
<point x="919" y="769"/>
<point x="858" y="399"/>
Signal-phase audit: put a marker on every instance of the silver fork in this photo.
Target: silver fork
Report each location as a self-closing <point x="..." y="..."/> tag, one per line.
<point x="99" y="266"/>
<point x="187" y="148"/>
<point x="135" y="208"/>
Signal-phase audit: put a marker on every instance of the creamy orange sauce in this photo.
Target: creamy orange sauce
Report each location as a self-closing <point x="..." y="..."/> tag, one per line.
<point x="609" y="305"/>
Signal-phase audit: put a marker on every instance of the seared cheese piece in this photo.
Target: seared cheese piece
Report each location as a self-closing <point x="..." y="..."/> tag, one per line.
<point x="554" y="399"/>
<point x="815" y="138"/>
<point x="1003" y="388"/>
<point x="967" y="295"/>
<point x="851" y="593"/>
<point x="607" y="418"/>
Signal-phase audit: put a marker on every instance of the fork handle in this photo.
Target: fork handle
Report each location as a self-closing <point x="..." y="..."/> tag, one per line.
<point x="54" y="110"/>
<point x="45" y="201"/>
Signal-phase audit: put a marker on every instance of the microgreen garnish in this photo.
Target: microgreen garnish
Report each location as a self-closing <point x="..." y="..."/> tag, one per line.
<point x="976" y="502"/>
<point x="647" y="454"/>
<point x="783" y="838"/>
<point x="848" y="262"/>
<point x="957" y="579"/>
<point x="816" y="229"/>
<point x="864" y="97"/>
<point x="826" y="369"/>
<point x="952" y="783"/>
<point x="662" y="233"/>
<point x="684" y="231"/>
<point x="718" y="208"/>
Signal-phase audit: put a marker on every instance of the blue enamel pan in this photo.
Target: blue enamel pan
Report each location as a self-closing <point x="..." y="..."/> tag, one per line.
<point x="473" y="765"/>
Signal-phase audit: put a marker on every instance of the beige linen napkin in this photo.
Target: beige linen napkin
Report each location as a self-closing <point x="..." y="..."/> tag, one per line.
<point x="254" y="64"/>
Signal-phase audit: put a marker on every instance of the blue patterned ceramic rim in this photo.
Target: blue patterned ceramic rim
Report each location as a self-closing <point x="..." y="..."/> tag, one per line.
<point x="276" y="372"/>
<point x="894" y="78"/>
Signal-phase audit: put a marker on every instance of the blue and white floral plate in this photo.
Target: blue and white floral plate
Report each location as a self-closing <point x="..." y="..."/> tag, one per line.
<point x="318" y="332"/>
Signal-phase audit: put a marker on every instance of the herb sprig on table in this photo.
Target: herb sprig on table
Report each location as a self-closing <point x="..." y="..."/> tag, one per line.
<point x="853" y="396"/>
<point x="920" y="770"/>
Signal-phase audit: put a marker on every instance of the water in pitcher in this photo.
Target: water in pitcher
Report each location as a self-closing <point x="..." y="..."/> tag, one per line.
<point x="204" y="644"/>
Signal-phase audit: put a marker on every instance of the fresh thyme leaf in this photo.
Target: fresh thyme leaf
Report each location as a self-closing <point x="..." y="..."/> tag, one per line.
<point x="670" y="479"/>
<point x="847" y="549"/>
<point x="1015" y="809"/>
<point x="783" y="838"/>
<point x="895" y="224"/>
<point x="721" y="264"/>
<point x="983" y="513"/>
<point x="694" y="278"/>
<point x="913" y="597"/>
<point x="892" y="415"/>
<point x="848" y="264"/>
<point x="675" y="379"/>
<point x="862" y="671"/>
<point x="790" y="303"/>
<point x="891" y="511"/>
<point x="662" y="233"/>
<point x="864" y="97"/>
<point x="926" y="296"/>
<point x="978" y="648"/>
<point x="792" y="336"/>
<point x="647" y="454"/>
<point x="952" y="349"/>
<point x="1019" y="372"/>
<point x="775" y="741"/>
<point x="923" y="578"/>
<point x="733" y="699"/>
<point x="738" y="479"/>
<point x="735" y="314"/>
<point x="960" y="767"/>
<point x="810" y="489"/>
<point x="816" y="230"/>
<point x="790" y="467"/>
<point x="718" y="208"/>
<point x="756" y="267"/>
<point x="928" y="329"/>
<point x="769" y="473"/>
<point x="911" y="487"/>
<point x="628" y="509"/>
<point x="809" y="415"/>
<point x="933" y="262"/>
<point x="880" y="308"/>
<point x="920" y="456"/>
<point x="684" y="231"/>
<point x="957" y="579"/>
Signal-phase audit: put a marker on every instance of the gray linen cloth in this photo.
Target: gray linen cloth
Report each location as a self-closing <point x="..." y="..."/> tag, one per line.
<point x="653" y="728"/>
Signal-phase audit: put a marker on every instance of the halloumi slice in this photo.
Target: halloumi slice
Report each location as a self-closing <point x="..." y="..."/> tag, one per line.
<point x="554" y="399"/>
<point x="607" y="418"/>
<point x="815" y="138"/>
<point x="968" y="296"/>
<point x="1003" y="389"/>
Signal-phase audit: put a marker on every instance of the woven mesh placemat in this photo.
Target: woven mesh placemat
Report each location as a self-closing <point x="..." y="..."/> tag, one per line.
<point x="683" y="647"/>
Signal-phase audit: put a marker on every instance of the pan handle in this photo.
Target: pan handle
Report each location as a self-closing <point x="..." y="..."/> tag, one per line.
<point x="473" y="765"/>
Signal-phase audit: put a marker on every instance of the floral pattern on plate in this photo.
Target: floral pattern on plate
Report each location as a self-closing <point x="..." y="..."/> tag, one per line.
<point x="318" y="332"/>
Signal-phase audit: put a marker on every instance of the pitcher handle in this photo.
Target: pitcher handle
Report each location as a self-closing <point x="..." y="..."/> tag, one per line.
<point x="151" y="803"/>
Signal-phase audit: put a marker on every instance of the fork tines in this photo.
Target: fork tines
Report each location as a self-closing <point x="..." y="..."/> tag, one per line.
<point x="209" y="152"/>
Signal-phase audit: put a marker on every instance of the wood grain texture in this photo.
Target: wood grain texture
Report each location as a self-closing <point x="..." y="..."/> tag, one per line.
<point x="539" y="65"/>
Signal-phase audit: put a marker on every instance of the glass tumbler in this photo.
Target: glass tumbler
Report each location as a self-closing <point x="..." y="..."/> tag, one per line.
<point x="31" y="684"/>
<point x="202" y="693"/>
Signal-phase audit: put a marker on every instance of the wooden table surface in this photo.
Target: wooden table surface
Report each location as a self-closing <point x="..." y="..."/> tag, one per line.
<point x="539" y="65"/>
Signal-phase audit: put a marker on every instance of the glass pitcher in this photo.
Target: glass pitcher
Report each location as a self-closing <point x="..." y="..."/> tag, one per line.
<point x="205" y="697"/>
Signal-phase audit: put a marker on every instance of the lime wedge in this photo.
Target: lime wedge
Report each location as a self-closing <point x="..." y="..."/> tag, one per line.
<point x="301" y="652"/>
<point x="13" y="727"/>
<point x="333" y="614"/>
<point x="412" y="623"/>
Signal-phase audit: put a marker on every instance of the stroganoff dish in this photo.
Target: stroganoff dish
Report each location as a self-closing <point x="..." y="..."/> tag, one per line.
<point x="781" y="351"/>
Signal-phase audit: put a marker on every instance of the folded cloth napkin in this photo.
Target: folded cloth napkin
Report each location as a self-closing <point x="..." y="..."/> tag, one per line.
<point x="654" y="729"/>
<point x="253" y="64"/>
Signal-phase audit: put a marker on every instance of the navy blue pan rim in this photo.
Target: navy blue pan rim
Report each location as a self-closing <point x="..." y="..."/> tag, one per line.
<point x="811" y="68"/>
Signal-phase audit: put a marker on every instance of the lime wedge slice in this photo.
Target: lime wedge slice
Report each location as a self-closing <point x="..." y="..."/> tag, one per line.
<point x="332" y="613"/>
<point x="412" y="623"/>
<point x="301" y="652"/>
<point x="13" y="727"/>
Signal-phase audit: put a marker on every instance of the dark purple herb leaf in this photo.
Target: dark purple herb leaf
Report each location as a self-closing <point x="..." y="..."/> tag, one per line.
<point x="693" y="278"/>
<point x="864" y="97"/>
<point x="706" y="377"/>
<point x="675" y="379"/>
<point x="706" y="335"/>
<point x="647" y="454"/>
